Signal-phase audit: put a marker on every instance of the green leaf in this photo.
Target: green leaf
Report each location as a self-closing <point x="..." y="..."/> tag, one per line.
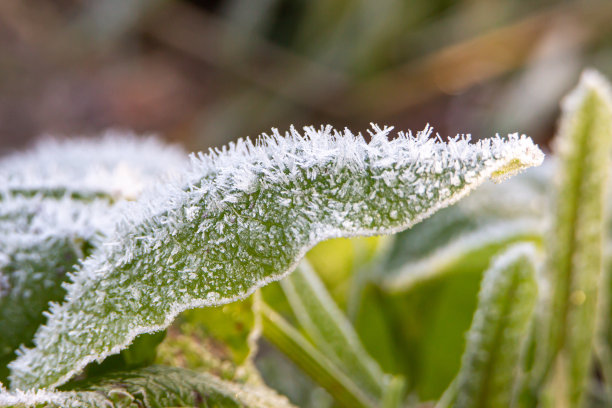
<point x="505" y="303"/>
<point x="330" y="330"/>
<point x="141" y="353"/>
<point x="338" y="262"/>
<point x="574" y="261"/>
<point x="151" y="387"/>
<point x="281" y="374"/>
<point x="232" y="326"/>
<point x="244" y="216"/>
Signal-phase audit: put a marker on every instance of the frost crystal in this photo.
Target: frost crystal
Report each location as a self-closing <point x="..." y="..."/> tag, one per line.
<point x="243" y="216"/>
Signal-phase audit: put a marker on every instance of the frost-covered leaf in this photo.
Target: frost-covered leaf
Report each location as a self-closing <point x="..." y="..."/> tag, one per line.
<point x="505" y="303"/>
<point x="575" y="242"/>
<point x="151" y="387"/>
<point x="55" y="203"/>
<point x="244" y="216"/>
<point x="330" y="330"/>
<point x="40" y="243"/>
<point x="115" y="165"/>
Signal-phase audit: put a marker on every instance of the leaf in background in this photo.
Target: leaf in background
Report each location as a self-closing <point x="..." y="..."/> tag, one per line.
<point x="233" y="325"/>
<point x="506" y="300"/>
<point x="575" y="245"/>
<point x="244" y="216"/>
<point x="141" y="353"/>
<point x="114" y="166"/>
<point x="281" y="374"/>
<point x="55" y="203"/>
<point x="331" y="332"/>
<point x="152" y="387"/>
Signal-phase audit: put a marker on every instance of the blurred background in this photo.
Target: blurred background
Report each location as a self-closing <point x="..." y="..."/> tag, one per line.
<point x="203" y="72"/>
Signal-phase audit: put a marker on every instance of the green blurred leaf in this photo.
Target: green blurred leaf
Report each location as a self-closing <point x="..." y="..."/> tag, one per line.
<point x="233" y="326"/>
<point x="490" y="364"/>
<point x="574" y="257"/>
<point x="141" y="353"/>
<point x="221" y="340"/>
<point x="338" y="261"/>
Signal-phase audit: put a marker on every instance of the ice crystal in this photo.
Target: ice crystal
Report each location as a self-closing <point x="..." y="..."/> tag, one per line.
<point x="243" y="216"/>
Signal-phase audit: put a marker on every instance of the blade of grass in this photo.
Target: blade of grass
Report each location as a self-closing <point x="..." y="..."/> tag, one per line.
<point x="314" y="363"/>
<point x="330" y="330"/>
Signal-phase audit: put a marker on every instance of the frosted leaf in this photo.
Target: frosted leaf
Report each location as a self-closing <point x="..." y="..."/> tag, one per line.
<point x="55" y="201"/>
<point x="505" y="303"/>
<point x="41" y="240"/>
<point x="470" y="231"/>
<point x="52" y="399"/>
<point x="154" y="386"/>
<point x="258" y="209"/>
<point x="116" y="165"/>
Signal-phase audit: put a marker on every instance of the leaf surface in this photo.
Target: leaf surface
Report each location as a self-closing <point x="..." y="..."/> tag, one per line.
<point x="244" y="216"/>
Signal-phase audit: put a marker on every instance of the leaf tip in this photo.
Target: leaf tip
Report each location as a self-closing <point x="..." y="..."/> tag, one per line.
<point x="527" y="154"/>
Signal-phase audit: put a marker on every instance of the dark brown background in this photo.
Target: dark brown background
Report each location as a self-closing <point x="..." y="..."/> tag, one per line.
<point x="206" y="72"/>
